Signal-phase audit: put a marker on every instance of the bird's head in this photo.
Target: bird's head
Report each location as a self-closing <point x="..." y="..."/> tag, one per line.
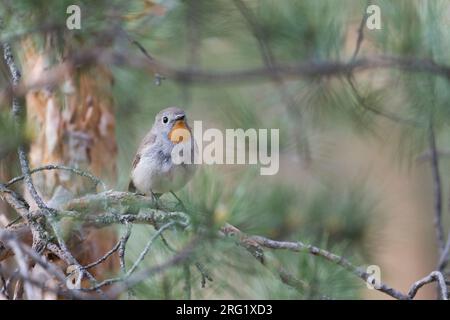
<point x="171" y="123"/>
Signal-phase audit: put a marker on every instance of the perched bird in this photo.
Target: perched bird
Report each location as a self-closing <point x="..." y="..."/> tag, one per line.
<point x="154" y="171"/>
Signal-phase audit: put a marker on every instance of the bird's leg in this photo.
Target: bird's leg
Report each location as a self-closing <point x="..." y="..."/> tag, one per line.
<point x="155" y="199"/>
<point x="179" y="200"/>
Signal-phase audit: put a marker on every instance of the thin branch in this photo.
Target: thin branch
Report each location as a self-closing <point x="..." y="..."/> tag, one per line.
<point x="300" y="69"/>
<point x="254" y="244"/>
<point x="177" y="260"/>
<point x="443" y="260"/>
<point x="270" y="63"/>
<point x="15" y="201"/>
<point x="28" y="181"/>
<point x="54" y="271"/>
<point x="13" y="222"/>
<point x="360" y="38"/>
<point x="122" y="247"/>
<point x="23" y="264"/>
<point x="39" y="235"/>
<point x="386" y="114"/>
<point x="359" y="98"/>
<point x="11" y="278"/>
<point x="79" y="172"/>
<point x="37" y="231"/>
<point x="64" y="254"/>
<point x="426" y="156"/>
<point x="204" y="274"/>
<point x="158" y="77"/>
<point x="148" y="246"/>
<point x="123" y="242"/>
<point x="103" y="258"/>
<point x="15" y="76"/>
<point x="437" y="184"/>
<point x="4" y="288"/>
<point x="432" y="277"/>
<point x="258" y="243"/>
<point x="141" y="257"/>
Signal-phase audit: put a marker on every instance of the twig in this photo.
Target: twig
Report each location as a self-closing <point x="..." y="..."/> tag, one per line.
<point x="13" y="222"/>
<point x="18" y="288"/>
<point x="28" y="181"/>
<point x="360" y="38"/>
<point x="432" y="277"/>
<point x="386" y="114"/>
<point x="158" y="77"/>
<point x="254" y="244"/>
<point x="139" y="276"/>
<point x="103" y="258"/>
<point x="50" y="268"/>
<point x="425" y="156"/>
<point x="82" y="173"/>
<point x="10" y="238"/>
<point x="359" y="98"/>
<point x="443" y="260"/>
<point x="64" y="254"/>
<point x="23" y="264"/>
<point x="39" y="234"/>
<point x="148" y="246"/>
<point x="437" y="184"/>
<point x="98" y="286"/>
<point x="4" y="288"/>
<point x="15" y="201"/>
<point x="299" y="69"/>
<point x="11" y="278"/>
<point x="258" y="242"/>
<point x="270" y="63"/>
<point x="122" y="246"/>
<point x="204" y="274"/>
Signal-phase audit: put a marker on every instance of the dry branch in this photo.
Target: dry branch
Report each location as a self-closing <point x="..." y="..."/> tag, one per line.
<point x="300" y="69"/>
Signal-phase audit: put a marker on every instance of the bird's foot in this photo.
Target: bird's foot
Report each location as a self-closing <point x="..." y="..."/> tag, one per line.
<point x="155" y="200"/>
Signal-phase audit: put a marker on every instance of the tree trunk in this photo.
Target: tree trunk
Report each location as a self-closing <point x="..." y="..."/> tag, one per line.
<point x="72" y="124"/>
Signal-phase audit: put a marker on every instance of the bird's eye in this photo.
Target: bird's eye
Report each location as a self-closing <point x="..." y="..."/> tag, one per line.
<point x="165" y="119"/>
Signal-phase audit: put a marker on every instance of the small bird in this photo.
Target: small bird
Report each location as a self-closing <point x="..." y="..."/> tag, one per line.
<point x="154" y="172"/>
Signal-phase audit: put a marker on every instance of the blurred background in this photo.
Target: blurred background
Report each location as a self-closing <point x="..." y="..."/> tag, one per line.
<point x="355" y="175"/>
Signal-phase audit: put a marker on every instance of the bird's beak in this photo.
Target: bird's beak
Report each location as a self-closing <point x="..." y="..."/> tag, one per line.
<point x="180" y="117"/>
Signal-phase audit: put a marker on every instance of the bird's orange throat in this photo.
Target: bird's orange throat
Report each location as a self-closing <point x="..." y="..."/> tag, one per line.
<point x="179" y="132"/>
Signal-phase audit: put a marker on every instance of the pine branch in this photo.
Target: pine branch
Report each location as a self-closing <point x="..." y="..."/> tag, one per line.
<point x="257" y="245"/>
<point x="301" y="69"/>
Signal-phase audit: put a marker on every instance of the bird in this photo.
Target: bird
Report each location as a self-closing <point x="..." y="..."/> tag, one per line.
<point x="153" y="170"/>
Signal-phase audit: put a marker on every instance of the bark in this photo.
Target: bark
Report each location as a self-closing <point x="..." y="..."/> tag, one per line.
<point x="72" y="123"/>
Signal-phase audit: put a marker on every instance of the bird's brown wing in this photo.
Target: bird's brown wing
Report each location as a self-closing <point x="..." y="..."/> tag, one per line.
<point x="136" y="160"/>
<point x="149" y="139"/>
